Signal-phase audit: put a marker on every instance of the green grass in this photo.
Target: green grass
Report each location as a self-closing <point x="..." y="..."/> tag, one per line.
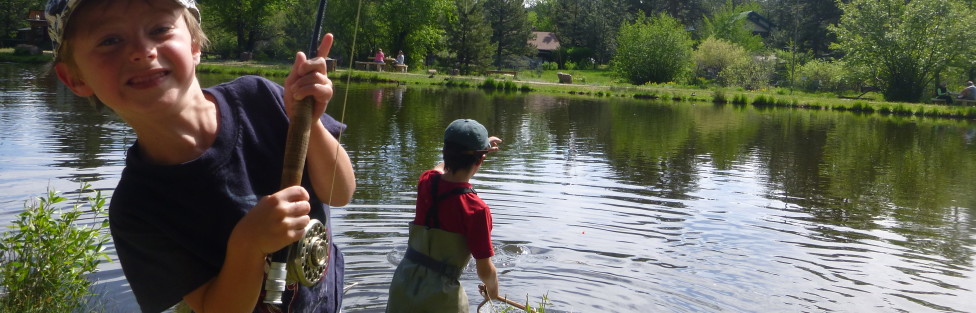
<point x="593" y="83"/>
<point x="7" y="55"/>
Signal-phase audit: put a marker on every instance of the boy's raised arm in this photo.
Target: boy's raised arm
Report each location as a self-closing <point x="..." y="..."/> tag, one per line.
<point x="329" y="167"/>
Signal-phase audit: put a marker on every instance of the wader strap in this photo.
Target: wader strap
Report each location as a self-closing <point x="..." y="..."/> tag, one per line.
<point x="439" y="267"/>
<point x="433" y="219"/>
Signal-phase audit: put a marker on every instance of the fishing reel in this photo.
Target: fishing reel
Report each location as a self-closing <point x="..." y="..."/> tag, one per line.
<point x="307" y="260"/>
<point x="309" y="257"/>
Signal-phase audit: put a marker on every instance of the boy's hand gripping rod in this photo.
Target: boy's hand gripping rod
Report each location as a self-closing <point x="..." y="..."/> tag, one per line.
<point x="305" y="260"/>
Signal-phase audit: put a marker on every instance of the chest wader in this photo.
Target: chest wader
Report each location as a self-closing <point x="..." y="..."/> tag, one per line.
<point x="427" y="278"/>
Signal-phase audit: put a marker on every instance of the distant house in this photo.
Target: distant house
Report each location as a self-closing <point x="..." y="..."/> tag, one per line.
<point x="546" y="43"/>
<point x="759" y="24"/>
<point x="36" y="34"/>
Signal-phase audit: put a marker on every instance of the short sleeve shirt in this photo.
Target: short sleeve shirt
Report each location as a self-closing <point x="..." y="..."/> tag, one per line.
<point x="465" y="214"/>
<point x="170" y="223"/>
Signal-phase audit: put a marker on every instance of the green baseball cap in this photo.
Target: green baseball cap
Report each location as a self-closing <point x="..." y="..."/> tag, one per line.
<point x="467" y="134"/>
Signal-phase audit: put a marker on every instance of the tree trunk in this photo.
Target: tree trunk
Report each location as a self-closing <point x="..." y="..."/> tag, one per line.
<point x="240" y="37"/>
<point x="252" y="39"/>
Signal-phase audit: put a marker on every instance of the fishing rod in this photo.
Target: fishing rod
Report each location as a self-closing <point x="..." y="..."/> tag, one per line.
<point x="305" y="260"/>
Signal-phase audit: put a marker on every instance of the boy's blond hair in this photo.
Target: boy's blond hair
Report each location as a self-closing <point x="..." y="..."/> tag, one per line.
<point x="62" y="53"/>
<point x="63" y="49"/>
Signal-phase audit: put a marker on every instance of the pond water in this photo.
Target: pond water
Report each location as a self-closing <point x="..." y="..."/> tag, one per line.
<point x="606" y="204"/>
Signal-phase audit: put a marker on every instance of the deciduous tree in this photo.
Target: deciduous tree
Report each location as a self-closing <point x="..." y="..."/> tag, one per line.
<point x="414" y="26"/>
<point x="904" y="44"/>
<point x="13" y="15"/>
<point x="655" y="49"/>
<point x="243" y="18"/>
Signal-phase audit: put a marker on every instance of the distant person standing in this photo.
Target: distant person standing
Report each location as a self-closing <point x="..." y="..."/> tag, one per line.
<point x="379" y="56"/>
<point x="969" y="93"/>
<point x="399" y="58"/>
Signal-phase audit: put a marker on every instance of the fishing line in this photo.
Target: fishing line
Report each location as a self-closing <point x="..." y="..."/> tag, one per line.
<point x="345" y="97"/>
<point x="307" y="259"/>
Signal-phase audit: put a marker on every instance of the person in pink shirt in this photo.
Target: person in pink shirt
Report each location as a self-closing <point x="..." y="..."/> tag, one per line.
<point x="379" y="56"/>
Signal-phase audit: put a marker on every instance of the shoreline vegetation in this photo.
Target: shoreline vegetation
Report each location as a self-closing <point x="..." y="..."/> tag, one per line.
<point x="600" y="83"/>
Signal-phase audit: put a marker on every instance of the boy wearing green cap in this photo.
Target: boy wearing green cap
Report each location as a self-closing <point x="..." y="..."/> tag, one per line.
<point x="451" y="224"/>
<point x="198" y="207"/>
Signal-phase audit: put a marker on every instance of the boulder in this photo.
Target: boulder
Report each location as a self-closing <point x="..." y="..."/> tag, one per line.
<point x="565" y="78"/>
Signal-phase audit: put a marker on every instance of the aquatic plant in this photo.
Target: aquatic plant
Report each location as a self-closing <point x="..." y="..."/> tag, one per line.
<point x="740" y="99"/>
<point x="49" y="255"/>
<point x="506" y="305"/>
<point x="718" y="96"/>
<point x="763" y="100"/>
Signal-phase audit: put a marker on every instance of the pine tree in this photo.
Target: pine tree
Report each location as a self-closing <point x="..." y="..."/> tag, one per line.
<point x="469" y="37"/>
<point x="511" y="29"/>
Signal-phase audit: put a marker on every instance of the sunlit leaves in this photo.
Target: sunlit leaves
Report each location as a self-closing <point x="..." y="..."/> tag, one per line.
<point x="655" y="49"/>
<point x="905" y="43"/>
<point x="50" y="252"/>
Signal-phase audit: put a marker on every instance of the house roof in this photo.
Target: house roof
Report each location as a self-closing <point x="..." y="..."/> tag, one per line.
<point x="545" y="41"/>
<point x="759" y="23"/>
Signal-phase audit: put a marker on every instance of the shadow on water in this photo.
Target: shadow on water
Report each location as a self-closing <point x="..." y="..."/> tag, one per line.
<point x="608" y="205"/>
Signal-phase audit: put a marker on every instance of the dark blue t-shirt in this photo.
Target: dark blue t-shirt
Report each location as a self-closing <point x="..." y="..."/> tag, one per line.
<point x="170" y="224"/>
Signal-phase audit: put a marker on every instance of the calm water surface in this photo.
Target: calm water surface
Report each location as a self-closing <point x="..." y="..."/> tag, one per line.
<point x="608" y="204"/>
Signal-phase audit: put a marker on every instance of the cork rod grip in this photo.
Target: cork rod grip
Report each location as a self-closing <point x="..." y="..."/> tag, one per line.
<point x="296" y="144"/>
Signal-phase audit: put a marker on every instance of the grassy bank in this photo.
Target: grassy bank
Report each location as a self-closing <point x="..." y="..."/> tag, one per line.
<point x="8" y="55"/>
<point x="591" y="83"/>
<point x="601" y="83"/>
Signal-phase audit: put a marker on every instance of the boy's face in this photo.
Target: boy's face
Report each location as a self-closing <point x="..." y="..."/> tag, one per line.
<point x="134" y="55"/>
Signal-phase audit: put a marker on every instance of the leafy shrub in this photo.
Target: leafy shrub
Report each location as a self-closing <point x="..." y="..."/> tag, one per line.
<point x="819" y="75"/>
<point x="48" y="258"/>
<point x="504" y="85"/>
<point x="749" y="73"/>
<point x="714" y="55"/>
<point x="655" y="49"/>
<point x="763" y="100"/>
<point x="719" y="96"/>
<point x="23" y="49"/>
<point x="580" y="56"/>
<point x="550" y="66"/>
<point x="740" y="99"/>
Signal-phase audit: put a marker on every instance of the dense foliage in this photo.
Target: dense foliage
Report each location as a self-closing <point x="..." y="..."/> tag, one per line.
<point x="904" y="44"/>
<point x="729" y="23"/>
<point x="468" y="38"/>
<point x="413" y="26"/>
<point x="899" y="46"/>
<point x="50" y="253"/>
<point x="655" y="50"/>
<point x="510" y="31"/>
<point x="714" y="55"/>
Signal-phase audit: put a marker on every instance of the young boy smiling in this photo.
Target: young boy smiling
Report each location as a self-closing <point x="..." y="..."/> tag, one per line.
<point x="198" y="207"/>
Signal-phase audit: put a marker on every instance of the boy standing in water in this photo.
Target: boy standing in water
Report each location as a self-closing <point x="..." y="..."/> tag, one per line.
<point x="451" y="224"/>
<point x="198" y="207"/>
